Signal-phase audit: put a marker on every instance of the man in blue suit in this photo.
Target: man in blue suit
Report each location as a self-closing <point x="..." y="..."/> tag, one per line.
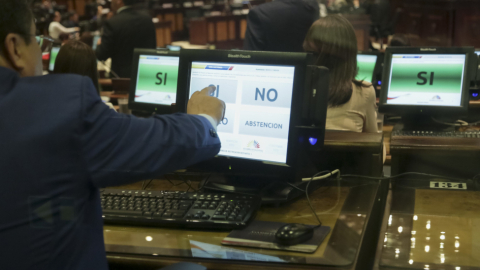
<point x="59" y="144"/>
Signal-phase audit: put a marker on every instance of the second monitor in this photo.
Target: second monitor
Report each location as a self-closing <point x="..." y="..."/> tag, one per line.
<point x="154" y="80"/>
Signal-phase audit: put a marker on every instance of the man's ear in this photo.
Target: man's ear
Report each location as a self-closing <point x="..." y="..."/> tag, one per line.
<point x="13" y="51"/>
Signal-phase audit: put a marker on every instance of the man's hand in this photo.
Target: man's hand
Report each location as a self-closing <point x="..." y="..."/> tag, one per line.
<point x="202" y="103"/>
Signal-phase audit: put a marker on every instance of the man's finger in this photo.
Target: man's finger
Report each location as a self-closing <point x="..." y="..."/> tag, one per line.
<point x="208" y="90"/>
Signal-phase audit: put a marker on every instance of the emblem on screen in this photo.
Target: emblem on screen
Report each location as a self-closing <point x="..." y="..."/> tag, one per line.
<point x="253" y="144"/>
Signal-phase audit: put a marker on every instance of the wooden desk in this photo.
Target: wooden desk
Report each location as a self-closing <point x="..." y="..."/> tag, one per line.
<point x="431" y="227"/>
<point x="439" y="22"/>
<point x="352" y="152"/>
<point x="456" y="157"/>
<point x="354" y="217"/>
<point x="361" y="24"/>
<point x="225" y="32"/>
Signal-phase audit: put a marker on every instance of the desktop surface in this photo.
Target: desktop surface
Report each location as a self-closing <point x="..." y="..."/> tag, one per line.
<point x="341" y="247"/>
<point x="431" y="227"/>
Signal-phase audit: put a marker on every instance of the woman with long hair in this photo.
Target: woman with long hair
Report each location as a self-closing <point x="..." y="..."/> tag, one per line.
<point x="351" y="103"/>
<point x="78" y="58"/>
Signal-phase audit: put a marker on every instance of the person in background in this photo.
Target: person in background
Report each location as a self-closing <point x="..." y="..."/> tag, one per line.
<point x="280" y="25"/>
<point x="77" y="57"/>
<point x="72" y="20"/>
<point x="60" y="143"/>
<point x="400" y="40"/>
<point x="56" y="28"/>
<point x="351" y="103"/>
<point x="127" y="30"/>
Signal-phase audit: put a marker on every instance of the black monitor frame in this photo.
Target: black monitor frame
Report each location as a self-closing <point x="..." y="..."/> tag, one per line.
<point x="222" y="164"/>
<point x="425" y="110"/>
<point x="378" y="65"/>
<point x="142" y="106"/>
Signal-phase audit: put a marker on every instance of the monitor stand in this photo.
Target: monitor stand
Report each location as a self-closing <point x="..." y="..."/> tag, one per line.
<point x="421" y="123"/>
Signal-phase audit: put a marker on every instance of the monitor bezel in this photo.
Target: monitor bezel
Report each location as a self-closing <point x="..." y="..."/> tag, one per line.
<point x="55" y="45"/>
<point x="425" y="109"/>
<point x="298" y="60"/>
<point x="377" y="64"/>
<point x="142" y="106"/>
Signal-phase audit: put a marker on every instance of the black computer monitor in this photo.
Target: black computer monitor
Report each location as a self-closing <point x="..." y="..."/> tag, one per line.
<point x="153" y="86"/>
<point x="426" y="81"/>
<point x="53" y="56"/>
<point x="263" y="93"/>
<point x="367" y="65"/>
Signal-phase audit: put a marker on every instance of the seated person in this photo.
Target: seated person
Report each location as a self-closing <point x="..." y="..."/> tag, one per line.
<point x="72" y="20"/>
<point x="351" y="103"/>
<point x="56" y="28"/>
<point x="400" y="40"/>
<point x="280" y="25"/>
<point x="78" y="58"/>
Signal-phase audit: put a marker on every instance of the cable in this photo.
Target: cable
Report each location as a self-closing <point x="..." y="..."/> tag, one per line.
<point x="461" y="123"/>
<point x="321" y="177"/>
<point x="314" y="178"/>
<point x="145" y="186"/>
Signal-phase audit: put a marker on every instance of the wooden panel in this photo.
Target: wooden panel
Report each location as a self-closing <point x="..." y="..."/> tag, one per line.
<point x="360" y="34"/>
<point x="179" y="22"/>
<point x="211" y="32"/>
<point x="160" y="37"/>
<point x="232" y="30"/>
<point x="243" y="28"/>
<point x="80" y="7"/>
<point x="467" y="28"/>
<point x="168" y="36"/>
<point x="198" y="31"/>
<point x="436" y="28"/>
<point x="222" y="31"/>
<point x="171" y="18"/>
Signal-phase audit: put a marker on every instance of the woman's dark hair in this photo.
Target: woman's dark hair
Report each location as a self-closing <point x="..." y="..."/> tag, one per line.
<point x="334" y="40"/>
<point x="78" y="58"/>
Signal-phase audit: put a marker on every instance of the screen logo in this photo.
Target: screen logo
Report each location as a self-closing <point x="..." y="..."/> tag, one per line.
<point x="428" y="49"/>
<point x="253" y="144"/>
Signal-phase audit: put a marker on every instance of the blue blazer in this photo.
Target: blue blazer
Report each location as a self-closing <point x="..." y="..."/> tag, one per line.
<point x="58" y="145"/>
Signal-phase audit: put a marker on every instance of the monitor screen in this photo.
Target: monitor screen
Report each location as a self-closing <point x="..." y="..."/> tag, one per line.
<point x="366" y="67"/>
<point x="258" y="102"/>
<point x="156" y="79"/>
<point x="426" y="79"/>
<point x="53" y="57"/>
<point x="95" y="42"/>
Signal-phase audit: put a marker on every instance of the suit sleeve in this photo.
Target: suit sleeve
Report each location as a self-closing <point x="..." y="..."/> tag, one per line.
<point x="254" y="36"/>
<point x="371" y="113"/>
<point x="105" y="49"/>
<point x="119" y="148"/>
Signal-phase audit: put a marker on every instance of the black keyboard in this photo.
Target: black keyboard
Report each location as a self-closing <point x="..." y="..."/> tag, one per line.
<point x="177" y="209"/>
<point x="456" y="134"/>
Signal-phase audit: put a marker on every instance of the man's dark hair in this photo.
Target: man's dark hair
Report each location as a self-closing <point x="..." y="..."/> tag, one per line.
<point x="15" y="17"/>
<point x="129" y="2"/>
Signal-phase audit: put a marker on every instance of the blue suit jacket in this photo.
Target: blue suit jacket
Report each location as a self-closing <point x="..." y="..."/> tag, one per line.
<point x="58" y="145"/>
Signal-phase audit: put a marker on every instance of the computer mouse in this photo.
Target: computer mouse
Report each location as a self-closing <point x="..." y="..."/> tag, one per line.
<point x="294" y="233"/>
